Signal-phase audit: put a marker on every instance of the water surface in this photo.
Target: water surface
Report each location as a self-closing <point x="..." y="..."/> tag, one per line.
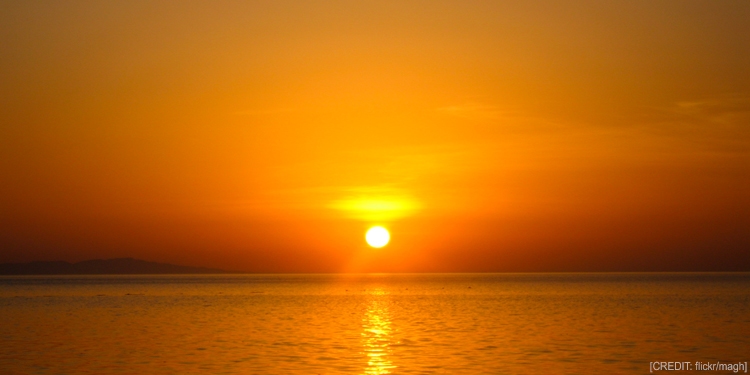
<point x="371" y="324"/>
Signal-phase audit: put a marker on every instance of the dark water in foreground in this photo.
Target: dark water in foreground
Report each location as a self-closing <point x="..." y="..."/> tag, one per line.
<point x="371" y="324"/>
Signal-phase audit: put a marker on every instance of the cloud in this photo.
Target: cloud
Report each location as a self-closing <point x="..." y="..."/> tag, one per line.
<point x="495" y="115"/>
<point x="475" y="111"/>
<point x="262" y="112"/>
<point x="716" y="125"/>
<point x="730" y="111"/>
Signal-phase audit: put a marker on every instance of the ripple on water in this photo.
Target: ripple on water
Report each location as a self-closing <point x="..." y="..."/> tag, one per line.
<point x="405" y="324"/>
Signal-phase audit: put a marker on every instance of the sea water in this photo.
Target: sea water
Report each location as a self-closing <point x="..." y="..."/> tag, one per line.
<point x="372" y="324"/>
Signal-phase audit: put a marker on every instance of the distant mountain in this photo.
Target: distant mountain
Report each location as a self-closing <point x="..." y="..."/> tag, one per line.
<point x="121" y="266"/>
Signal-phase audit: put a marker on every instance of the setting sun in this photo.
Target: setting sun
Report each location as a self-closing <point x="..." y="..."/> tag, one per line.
<point x="566" y="181"/>
<point x="377" y="237"/>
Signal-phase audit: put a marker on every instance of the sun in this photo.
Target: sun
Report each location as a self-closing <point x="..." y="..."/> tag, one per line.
<point x="377" y="237"/>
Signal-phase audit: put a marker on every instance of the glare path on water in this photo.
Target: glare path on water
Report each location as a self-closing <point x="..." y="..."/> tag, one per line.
<point x="376" y="337"/>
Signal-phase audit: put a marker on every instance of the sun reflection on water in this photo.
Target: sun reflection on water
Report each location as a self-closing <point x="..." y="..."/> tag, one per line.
<point x="376" y="337"/>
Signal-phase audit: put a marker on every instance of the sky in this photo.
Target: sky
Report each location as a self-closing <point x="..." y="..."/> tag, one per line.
<point x="486" y="136"/>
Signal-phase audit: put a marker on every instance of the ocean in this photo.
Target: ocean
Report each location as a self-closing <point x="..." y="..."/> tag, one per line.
<point x="579" y="323"/>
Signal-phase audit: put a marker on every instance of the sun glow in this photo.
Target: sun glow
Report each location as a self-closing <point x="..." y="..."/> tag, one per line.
<point x="377" y="208"/>
<point x="377" y="237"/>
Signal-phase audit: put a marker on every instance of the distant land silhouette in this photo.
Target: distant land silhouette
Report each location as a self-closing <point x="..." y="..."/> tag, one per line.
<point x="120" y="266"/>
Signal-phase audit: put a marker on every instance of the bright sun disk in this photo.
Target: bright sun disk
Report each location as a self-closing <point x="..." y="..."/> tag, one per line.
<point x="377" y="237"/>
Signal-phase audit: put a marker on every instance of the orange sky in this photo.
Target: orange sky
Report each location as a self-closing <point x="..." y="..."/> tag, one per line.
<point x="267" y="136"/>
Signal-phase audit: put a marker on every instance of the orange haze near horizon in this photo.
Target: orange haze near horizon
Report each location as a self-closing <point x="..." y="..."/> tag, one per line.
<point x="268" y="136"/>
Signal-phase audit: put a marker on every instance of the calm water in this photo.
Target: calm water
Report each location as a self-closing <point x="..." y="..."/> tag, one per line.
<point x="371" y="324"/>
